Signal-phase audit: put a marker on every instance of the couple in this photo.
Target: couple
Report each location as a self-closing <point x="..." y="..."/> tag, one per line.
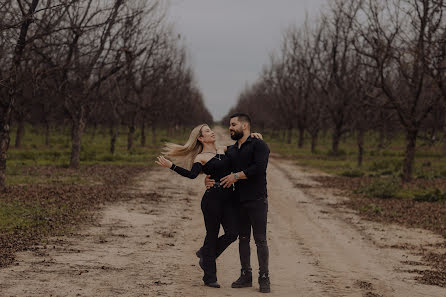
<point x="236" y="195"/>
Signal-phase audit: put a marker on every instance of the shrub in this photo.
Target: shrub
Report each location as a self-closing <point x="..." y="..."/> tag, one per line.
<point x="387" y="172"/>
<point x="386" y="164"/>
<point x="341" y="153"/>
<point x="382" y="188"/>
<point x="432" y="195"/>
<point x="88" y="155"/>
<point x="352" y="173"/>
<point x="372" y="208"/>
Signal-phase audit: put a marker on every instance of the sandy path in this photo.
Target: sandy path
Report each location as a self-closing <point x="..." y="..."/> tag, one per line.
<point x="145" y="247"/>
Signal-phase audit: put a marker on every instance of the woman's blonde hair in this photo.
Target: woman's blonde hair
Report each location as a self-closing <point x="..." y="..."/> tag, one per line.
<point x="186" y="154"/>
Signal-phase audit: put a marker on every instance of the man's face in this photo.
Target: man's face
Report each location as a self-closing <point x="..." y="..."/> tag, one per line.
<point x="236" y="129"/>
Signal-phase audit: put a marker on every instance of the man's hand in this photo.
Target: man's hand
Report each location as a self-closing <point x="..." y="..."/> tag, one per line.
<point x="208" y="182"/>
<point x="228" y="180"/>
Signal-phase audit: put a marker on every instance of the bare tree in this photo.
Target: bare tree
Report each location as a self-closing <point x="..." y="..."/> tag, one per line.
<point x="11" y="77"/>
<point x="397" y="36"/>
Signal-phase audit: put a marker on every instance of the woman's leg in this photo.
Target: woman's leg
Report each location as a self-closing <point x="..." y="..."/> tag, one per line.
<point x="210" y="205"/>
<point x="230" y="225"/>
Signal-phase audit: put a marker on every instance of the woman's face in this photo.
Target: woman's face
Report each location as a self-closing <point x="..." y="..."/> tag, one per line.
<point x="207" y="135"/>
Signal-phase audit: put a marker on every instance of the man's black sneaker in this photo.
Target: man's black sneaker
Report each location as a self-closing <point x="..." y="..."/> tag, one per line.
<point x="264" y="283"/>
<point x="245" y="279"/>
<point x="212" y="285"/>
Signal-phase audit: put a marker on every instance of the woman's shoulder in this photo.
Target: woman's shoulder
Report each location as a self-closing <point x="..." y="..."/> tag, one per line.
<point x="199" y="159"/>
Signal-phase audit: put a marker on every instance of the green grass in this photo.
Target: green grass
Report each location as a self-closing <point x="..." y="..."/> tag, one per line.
<point x="95" y="150"/>
<point x="19" y="215"/>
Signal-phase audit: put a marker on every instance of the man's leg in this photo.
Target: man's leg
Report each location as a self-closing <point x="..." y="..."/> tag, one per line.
<point x="244" y="238"/>
<point x="245" y="279"/>
<point x="258" y="211"/>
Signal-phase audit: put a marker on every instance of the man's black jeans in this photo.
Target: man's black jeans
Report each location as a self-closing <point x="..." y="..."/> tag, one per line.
<point x="253" y="214"/>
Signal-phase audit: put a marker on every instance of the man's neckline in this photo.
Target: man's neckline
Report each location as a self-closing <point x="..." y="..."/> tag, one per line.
<point x="249" y="139"/>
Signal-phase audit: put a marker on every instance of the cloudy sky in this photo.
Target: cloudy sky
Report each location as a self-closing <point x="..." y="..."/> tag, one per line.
<point x="230" y="40"/>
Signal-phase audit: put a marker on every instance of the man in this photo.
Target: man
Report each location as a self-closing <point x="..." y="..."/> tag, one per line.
<point x="249" y="159"/>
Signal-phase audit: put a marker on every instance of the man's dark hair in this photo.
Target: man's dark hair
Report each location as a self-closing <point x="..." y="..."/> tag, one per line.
<point x="242" y="117"/>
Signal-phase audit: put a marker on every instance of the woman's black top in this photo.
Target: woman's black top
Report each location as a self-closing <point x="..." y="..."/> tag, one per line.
<point x="217" y="167"/>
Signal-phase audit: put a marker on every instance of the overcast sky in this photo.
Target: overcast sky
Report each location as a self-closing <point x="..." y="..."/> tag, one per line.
<point x="230" y="40"/>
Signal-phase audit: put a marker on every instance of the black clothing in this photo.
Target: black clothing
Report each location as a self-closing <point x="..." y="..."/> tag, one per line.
<point x="252" y="159"/>
<point x="215" y="169"/>
<point x="192" y="173"/>
<point x="253" y="214"/>
<point x="219" y="208"/>
<point x="245" y="279"/>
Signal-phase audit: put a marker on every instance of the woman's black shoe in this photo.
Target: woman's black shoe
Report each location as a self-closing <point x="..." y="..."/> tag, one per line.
<point x="212" y="285"/>
<point x="201" y="263"/>
<point x="245" y="279"/>
<point x="199" y="253"/>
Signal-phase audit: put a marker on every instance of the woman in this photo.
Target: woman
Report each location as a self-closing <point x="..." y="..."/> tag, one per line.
<point x="219" y="206"/>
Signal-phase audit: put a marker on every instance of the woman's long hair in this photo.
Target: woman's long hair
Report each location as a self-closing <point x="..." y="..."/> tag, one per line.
<point x="185" y="154"/>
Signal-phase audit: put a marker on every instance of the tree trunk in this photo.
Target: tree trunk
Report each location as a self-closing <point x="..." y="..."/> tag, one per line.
<point x="154" y="134"/>
<point x="444" y="136"/>
<point x="76" y="138"/>
<point x="95" y="128"/>
<point x="335" y="142"/>
<point x="47" y="133"/>
<point x="314" y="137"/>
<point x="20" y="133"/>
<point x="169" y="131"/>
<point x="113" y="136"/>
<point x="360" y="142"/>
<point x="381" y="138"/>
<point x="289" y="135"/>
<point x="5" y="120"/>
<point x="130" y="136"/>
<point x="4" y="146"/>
<point x="301" y="137"/>
<point x="409" y="156"/>
<point x="143" y="133"/>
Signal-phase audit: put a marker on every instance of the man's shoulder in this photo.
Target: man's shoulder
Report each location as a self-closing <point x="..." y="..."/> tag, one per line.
<point x="259" y="142"/>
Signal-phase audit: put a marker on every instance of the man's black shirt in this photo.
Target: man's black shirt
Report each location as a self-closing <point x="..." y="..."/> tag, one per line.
<point x="252" y="159"/>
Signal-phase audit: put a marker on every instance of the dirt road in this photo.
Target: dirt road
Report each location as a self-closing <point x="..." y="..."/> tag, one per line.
<point x="146" y="246"/>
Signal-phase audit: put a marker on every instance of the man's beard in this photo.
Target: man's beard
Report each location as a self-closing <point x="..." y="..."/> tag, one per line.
<point x="237" y="135"/>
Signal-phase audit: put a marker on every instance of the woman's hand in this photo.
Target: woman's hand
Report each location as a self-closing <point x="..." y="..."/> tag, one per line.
<point x="163" y="162"/>
<point x="257" y="135"/>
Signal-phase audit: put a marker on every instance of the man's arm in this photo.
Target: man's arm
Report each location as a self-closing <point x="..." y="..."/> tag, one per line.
<point x="261" y="155"/>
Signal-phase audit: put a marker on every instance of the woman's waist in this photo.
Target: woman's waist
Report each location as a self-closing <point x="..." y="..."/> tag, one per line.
<point x="219" y="175"/>
<point x="219" y="186"/>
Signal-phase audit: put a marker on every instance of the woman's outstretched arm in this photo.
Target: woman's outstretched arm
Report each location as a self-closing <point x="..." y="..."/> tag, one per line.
<point x="193" y="173"/>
